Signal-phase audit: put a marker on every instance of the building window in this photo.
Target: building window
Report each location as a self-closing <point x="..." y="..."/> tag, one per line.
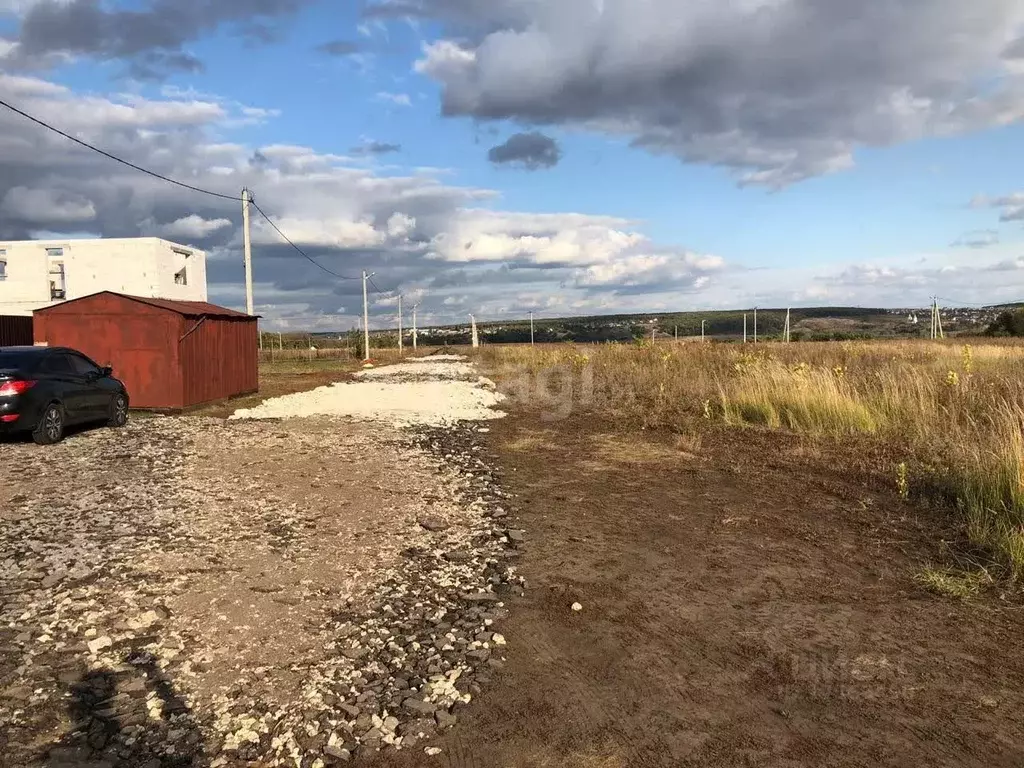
<point x="3" y="265"/>
<point x="181" y="278"/>
<point x="180" y="252"/>
<point x="55" y="252"/>
<point x="58" y="285"/>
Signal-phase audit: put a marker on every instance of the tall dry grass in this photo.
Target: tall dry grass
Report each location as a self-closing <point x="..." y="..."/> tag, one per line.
<point x="957" y="409"/>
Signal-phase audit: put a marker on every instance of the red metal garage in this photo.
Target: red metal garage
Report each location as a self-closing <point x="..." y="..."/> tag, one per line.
<point x="15" y="331"/>
<point x="170" y="354"/>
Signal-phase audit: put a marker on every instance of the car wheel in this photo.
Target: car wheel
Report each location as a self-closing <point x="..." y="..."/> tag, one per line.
<point x="51" y="426"/>
<point x="118" y="412"/>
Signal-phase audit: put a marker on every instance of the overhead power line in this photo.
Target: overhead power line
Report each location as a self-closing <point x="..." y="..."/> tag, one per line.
<point x="962" y="303"/>
<point x="375" y="287"/>
<point x="293" y="245"/>
<point x="115" y="158"/>
<point x="175" y="182"/>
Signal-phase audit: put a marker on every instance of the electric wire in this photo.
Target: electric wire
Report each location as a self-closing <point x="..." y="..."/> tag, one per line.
<point x="288" y="240"/>
<point x="115" y="158"/>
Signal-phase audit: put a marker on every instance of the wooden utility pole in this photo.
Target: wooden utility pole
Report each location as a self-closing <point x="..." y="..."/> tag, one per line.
<point x="247" y="245"/>
<point x="401" y="341"/>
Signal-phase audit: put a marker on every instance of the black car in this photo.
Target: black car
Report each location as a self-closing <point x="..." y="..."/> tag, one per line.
<point x="43" y="390"/>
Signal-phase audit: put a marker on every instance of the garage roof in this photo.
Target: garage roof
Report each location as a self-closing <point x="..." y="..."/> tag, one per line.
<point x="186" y="308"/>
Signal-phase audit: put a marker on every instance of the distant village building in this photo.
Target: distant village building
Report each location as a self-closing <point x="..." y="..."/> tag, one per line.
<point x="41" y="273"/>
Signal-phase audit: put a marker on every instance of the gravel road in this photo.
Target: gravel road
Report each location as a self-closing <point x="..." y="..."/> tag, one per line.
<point x="295" y="591"/>
<point x="426" y="391"/>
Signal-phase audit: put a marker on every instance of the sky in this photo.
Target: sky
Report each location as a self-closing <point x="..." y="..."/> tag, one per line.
<point x="566" y="157"/>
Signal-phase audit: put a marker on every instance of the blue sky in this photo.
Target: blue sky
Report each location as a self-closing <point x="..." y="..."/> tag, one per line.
<point x="699" y="163"/>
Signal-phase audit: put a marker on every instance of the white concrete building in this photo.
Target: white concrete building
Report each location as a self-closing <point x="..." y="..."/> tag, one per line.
<point x="39" y="273"/>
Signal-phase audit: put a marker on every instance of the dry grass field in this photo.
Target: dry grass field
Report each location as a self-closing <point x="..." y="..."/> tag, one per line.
<point x="939" y="420"/>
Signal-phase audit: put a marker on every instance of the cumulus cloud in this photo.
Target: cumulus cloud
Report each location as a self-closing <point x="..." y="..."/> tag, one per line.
<point x="776" y="90"/>
<point x="150" y="38"/>
<point x="194" y="226"/>
<point x="53" y="206"/>
<point x="531" y="151"/>
<point x="1011" y="206"/>
<point x="415" y="231"/>
<point x="642" y="271"/>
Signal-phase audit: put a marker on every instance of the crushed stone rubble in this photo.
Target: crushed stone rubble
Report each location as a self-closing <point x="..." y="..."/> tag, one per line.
<point x="106" y="538"/>
<point x="430" y="391"/>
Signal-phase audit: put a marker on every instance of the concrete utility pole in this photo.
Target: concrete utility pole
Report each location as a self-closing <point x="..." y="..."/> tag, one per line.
<point x="401" y="341"/>
<point x="366" y="315"/>
<point x="675" y="331"/>
<point x="702" y="324"/>
<point x="476" y="336"/>
<point x="755" y="325"/>
<point x="531" y="329"/>
<point x="744" y="327"/>
<point x="247" y="241"/>
<point x="786" y="332"/>
<point x="415" y="330"/>
<point x="937" y="332"/>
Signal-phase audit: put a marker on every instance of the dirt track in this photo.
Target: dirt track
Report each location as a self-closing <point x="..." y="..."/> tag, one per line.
<point x="751" y="607"/>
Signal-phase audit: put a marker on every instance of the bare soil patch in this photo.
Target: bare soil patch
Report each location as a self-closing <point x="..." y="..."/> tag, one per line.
<point x="749" y="604"/>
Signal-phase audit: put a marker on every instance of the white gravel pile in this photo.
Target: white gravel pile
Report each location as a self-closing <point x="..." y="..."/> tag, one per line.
<point x="421" y="368"/>
<point x="432" y="392"/>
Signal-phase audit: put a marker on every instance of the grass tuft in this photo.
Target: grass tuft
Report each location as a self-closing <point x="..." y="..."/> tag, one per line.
<point x="961" y="585"/>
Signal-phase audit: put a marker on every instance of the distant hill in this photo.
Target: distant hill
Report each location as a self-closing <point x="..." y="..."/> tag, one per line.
<point x="807" y="324"/>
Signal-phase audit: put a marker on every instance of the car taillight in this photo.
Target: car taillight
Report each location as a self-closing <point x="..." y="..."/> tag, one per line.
<point x="16" y="388"/>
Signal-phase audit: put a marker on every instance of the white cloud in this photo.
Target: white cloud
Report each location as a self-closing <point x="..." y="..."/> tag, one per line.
<point x="47" y="206"/>
<point x="425" y="237"/>
<point x="775" y="90"/>
<point x="193" y="226"/>
<point x="398" y="99"/>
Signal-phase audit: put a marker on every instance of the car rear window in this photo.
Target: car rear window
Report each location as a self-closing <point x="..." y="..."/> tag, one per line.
<point x="14" y="361"/>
